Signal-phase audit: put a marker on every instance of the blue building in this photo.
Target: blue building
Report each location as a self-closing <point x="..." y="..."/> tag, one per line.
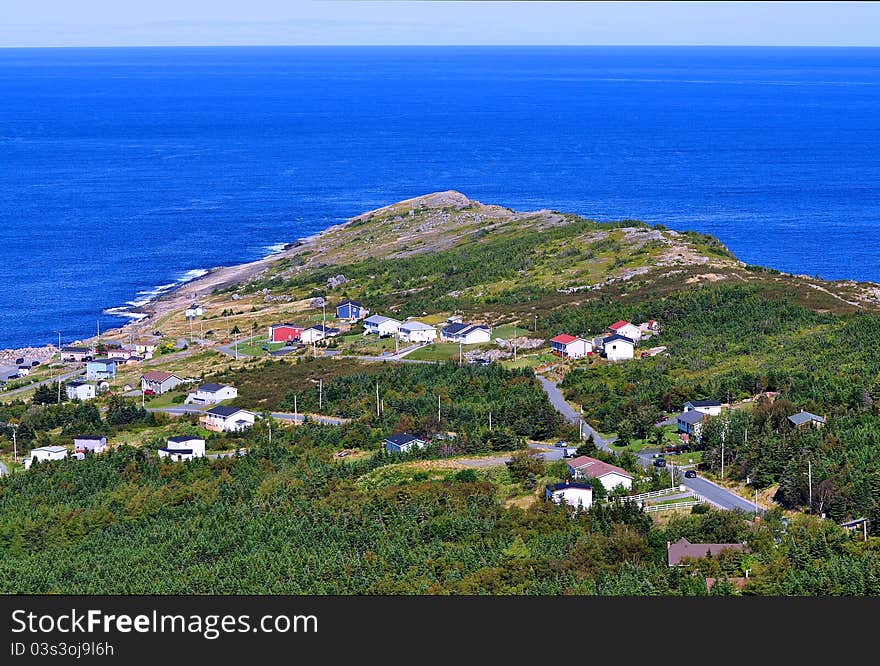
<point x="101" y="368"/>
<point x="351" y="310"/>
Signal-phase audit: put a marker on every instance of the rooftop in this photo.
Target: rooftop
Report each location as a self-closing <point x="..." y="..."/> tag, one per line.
<point x="805" y="417"/>
<point x="684" y="548"/>
<point x="596" y="468"/>
<point x="564" y="338"/>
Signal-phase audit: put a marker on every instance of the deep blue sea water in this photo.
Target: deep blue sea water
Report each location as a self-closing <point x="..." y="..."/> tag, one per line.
<point x="122" y="170"/>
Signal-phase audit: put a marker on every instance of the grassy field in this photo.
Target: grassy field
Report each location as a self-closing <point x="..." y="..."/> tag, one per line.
<point x="440" y="351"/>
<point x="670" y="438"/>
<point x="529" y="361"/>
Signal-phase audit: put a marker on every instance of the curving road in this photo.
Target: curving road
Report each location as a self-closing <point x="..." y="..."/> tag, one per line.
<point x="720" y="497"/>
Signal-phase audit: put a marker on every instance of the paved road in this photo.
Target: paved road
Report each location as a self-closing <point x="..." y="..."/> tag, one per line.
<point x="64" y="378"/>
<point x="720" y="497"/>
<point x="571" y="415"/>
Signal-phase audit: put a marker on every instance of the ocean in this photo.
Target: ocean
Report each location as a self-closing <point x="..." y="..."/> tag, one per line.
<point x="124" y="172"/>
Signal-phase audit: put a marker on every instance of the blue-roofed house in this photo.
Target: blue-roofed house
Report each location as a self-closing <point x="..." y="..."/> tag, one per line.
<point x="351" y="310"/>
<point x="403" y="443"/>
<point x="101" y="368"/>
<point x="573" y="493"/>
<point x="803" y="419"/>
<point x="691" y="423"/>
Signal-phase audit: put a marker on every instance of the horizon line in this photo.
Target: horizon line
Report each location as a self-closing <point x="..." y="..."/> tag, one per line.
<point x="443" y="46"/>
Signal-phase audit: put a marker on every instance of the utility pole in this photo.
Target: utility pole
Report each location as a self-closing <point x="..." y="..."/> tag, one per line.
<point x="459" y="353"/>
<point x="190" y="328"/>
<point x="377" y="400"/>
<point x="722" y="454"/>
<point x="227" y="323"/>
<point x="536" y="323"/>
<point x="235" y="339"/>
<point x="295" y="411"/>
<point x="14" y="444"/>
<point x="810" y="482"/>
<point x="490" y="419"/>
<point x="438" y="411"/>
<point x="270" y="433"/>
<point x="514" y="342"/>
<point x="321" y="394"/>
<point x="323" y="313"/>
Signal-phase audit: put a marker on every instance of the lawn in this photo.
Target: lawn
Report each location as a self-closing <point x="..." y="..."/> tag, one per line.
<point x="529" y="361"/>
<point x="670" y="438"/>
<point x="256" y="349"/>
<point x="439" y="351"/>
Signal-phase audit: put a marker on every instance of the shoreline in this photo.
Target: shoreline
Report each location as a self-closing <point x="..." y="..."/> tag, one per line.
<point x="175" y="297"/>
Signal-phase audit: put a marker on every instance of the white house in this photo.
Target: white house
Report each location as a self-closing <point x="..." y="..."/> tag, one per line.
<point x="578" y="495"/>
<point x="228" y="419"/>
<point x="79" y="390"/>
<point x="44" y="453"/>
<point x="194" y="310"/>
<point x="625" y="329"/>
<point x="211" y="394"/>
<point x="381" y="326"/>
<point x="315" y="333"/>
<point x="93" y="443"/>
<point x="466" y="334"/>
<point x="611" y="476"/>
<point x="416" y="331"/>
<point x="182" y="448"/>
<point x="570" y="346"/>
<point x="403" y="443"/>
<point x="710" y="407"/>
<point x="618" y="348"/>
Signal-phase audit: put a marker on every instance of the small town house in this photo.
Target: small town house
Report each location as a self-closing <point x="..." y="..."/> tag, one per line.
<point x="101" y="368"/>
<point x="351" y="311"/>
<point x="93" y="443"/>
<point x="466" y="334"/>
<point x="44" y="453"/>
<point x="381" y="326"/>
<point x="570" y="346"/>
<point x="284" y="332"/>
<point x="403" y="443"/>
<point x="211" y="394"/>
<point x="611" y="476"/>
<point x="416" y="331"/>
<point x="159" y="382"/>
<point x="618" y="348"/>
<point x="710" y="407"/>
<point x="313" y="334"/>
<point x="625" y="329"/>
<point x="573" y="493"/>
<point x="80" y="390"/>
<point x="227" y="419"/>
<point x="804" y="419"/>
<point x="178" y="449"/>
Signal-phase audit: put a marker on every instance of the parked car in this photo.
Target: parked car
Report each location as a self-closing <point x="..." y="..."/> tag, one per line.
<point x="34" y="363"/>
<point x="690" y="474"/>
<point x="670" y="449"/>
<point x="660" y="462"/>
<point x="561" y="444"/>
<point x="19" y="360"/>
<point x="149" y="392"/>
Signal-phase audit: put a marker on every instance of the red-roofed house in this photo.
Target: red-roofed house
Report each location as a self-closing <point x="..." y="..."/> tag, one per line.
<point x="626" y="329"/>
<point x="681" y="549"/>
<point x="570" y="346"/>
<point x="611" y="476"/>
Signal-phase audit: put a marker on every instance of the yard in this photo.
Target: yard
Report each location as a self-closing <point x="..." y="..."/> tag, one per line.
<point x="440" y="351"/>
<point x="670" y="438"/>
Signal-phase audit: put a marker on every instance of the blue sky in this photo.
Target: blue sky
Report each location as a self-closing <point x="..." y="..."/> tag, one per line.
<point x="334" y="22"/>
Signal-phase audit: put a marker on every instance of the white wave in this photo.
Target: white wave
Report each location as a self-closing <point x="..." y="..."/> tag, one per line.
<point x="124" y="312"/>
<point x="275" y="249"/>
<point x="189" y="276"/>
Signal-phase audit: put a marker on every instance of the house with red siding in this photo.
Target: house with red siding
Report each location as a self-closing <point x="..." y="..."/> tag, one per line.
<point x="284" y="332"/>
